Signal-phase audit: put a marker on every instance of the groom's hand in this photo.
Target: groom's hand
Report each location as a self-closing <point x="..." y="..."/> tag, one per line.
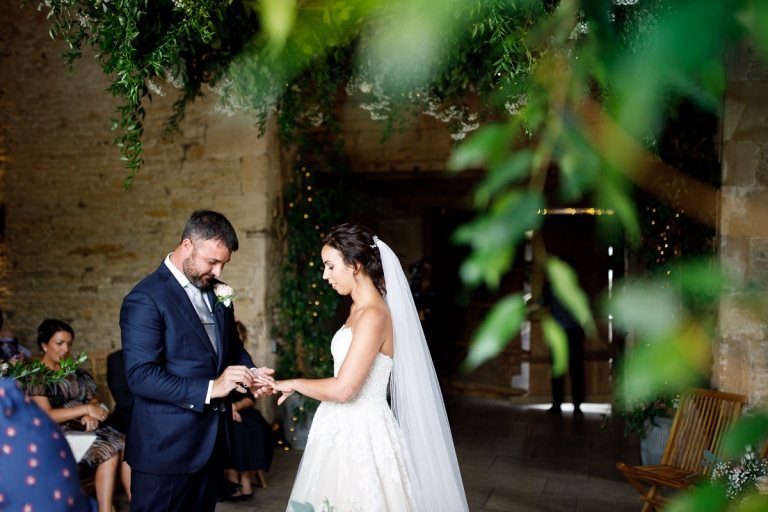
<point x="263" y="374"/>
<point x="234" y="377"/>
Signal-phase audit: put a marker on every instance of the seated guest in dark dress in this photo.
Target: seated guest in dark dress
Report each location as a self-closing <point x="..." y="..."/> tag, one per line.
<point x="254" y="442"/>
<point x="73" y="405"/>
<point x="118" y="386"/>
<point x="37" y="470"/>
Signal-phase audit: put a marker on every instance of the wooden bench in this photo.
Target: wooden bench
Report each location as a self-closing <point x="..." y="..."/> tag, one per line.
<point x="701" y="423"/>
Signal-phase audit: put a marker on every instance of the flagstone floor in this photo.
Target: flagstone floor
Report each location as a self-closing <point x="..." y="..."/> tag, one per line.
<point x="513" y="458"/>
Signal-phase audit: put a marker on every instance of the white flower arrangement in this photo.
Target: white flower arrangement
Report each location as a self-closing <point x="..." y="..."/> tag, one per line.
<point x="744" y="478"/>
<point x="224" y="295"/>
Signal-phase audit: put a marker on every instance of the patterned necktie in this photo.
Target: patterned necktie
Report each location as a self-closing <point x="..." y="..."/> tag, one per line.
<point x="196" y="296"/>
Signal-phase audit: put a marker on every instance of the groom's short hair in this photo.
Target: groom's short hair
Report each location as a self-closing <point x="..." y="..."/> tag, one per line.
<point x="210" y="225"/>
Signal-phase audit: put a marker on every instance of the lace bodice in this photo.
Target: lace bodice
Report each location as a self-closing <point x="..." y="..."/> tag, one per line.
<point x="375" y="385"/>
<point x="355" y="456"/>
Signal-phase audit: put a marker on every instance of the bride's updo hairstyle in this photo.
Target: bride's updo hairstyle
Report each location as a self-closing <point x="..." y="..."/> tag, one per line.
<point x="356" y="245"/>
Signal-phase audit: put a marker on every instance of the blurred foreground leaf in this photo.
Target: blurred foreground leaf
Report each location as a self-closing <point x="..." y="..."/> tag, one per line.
<point x="488" y="146"/>
<point x="565" y="284"/>
<point x="302" y="507"/>
<point x="675" y="360"/>
<point x="494" y="236"/>
<point x="557" y="340"/>
<point x="702" y="499"/>
<point x="699" y="278"/>
<point x="278" y="18"/>
<point x="647" y="309"/>
<point x="496" y="331"/>
<point x="749" y="431"/>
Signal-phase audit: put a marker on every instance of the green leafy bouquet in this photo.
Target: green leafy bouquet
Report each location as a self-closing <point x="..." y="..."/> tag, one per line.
<point x="36" y="373"/>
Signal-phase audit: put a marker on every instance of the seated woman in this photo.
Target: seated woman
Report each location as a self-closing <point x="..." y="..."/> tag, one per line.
<point x="74" y="400"/>
<point x="253" y="441"/>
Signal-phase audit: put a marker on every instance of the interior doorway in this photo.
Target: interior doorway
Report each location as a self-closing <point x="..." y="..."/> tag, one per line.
<point x="417" y="216"/>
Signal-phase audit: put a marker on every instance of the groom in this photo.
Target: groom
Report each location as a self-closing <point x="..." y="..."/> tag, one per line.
<point x="183" y="357"/>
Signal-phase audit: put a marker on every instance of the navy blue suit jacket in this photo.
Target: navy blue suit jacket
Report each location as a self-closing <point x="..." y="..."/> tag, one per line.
<point x="169" y="362"/>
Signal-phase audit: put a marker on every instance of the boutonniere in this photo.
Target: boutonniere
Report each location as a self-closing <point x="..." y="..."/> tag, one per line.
<point x="224" y="295"/>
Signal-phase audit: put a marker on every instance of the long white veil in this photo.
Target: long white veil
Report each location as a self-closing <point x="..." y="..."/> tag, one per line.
<point x="416" y="398"/>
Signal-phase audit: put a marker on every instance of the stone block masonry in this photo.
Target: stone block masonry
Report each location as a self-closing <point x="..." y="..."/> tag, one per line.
<point x="741" y="355"/>
<point x="75" y="241"/>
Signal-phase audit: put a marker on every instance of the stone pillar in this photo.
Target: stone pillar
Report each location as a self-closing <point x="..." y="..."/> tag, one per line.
<point x="741" y="357"/>
<point x="75" y="241"/>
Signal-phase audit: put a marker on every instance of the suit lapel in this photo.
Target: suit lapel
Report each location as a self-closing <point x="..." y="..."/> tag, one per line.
<point x="185" y="307"/>
<point x="218" y="322"/>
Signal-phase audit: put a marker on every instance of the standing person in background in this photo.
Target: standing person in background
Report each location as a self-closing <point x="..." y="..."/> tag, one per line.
<point x="183" y="357"/>
<point x="254" y="442"/>
<point x="575" y="334"/>
<point x="426" y="299"/>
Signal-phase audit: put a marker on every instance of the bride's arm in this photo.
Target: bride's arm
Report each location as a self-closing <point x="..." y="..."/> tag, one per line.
<point x="368" y="336"/>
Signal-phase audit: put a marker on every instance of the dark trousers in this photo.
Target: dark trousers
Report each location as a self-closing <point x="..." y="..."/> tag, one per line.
<point x="182" y="493"/>
<point x="575" y="368"/>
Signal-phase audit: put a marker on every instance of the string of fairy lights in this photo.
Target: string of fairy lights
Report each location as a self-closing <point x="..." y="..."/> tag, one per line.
<point x="663" y="235"/>
<point x="316" y="303"/>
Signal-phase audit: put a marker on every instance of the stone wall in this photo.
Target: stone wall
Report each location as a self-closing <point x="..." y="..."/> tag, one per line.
<point x="741" y="358"/>
<point x="75" y="241"/>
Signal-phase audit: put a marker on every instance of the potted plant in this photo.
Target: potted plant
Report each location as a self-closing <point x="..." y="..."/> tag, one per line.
<point x="650" y="416"/>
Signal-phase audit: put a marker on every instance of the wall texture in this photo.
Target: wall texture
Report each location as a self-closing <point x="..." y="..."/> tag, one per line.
<point x="75" y="241"/>
<point x="741" y="358"/>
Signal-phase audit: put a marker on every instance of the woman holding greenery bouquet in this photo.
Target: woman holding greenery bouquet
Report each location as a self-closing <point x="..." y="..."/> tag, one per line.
<point x="72" y="404"/>
<point x="361" y="455"/>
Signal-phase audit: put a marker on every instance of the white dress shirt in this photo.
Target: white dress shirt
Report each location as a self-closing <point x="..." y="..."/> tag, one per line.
<point x="183" y="281"/>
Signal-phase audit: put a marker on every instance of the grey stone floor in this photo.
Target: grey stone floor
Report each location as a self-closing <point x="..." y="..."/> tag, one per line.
<point x="512" y="457"/>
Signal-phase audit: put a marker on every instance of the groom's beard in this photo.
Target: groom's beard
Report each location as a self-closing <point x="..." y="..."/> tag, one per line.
<point x="198" y="280"/>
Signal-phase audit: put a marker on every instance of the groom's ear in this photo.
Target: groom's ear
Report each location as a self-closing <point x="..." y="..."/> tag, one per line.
<point x="187" y="246"/>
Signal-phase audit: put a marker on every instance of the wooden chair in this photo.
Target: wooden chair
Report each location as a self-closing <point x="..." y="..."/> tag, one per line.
<point x="96" y="365"/>
<point x="701" y="422"/>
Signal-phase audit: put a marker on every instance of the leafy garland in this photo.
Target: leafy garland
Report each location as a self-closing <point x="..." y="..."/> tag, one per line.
<point x="215" y="46"/>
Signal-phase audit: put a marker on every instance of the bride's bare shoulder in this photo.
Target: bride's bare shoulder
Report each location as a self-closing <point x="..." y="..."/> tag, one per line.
<point x="375" y="317"/>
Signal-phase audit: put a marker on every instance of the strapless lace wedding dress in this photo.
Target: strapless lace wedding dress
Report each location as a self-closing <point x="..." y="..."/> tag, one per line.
<point x="355" y="457"/>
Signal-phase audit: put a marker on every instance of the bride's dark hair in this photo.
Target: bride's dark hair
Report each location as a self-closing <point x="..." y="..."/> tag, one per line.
<point x="356" y="245"/>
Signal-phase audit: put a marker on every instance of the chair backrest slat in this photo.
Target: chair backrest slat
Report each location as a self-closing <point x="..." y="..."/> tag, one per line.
<point x="701" y="423"/>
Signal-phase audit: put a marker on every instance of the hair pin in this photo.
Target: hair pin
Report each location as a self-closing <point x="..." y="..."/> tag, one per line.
<point x="375" y="242"/>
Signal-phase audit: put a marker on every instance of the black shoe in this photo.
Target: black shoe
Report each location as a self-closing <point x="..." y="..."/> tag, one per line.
<point x="227" y="489"/>
<point x="577" y="412"/>
<point x="555" y="409"/>
<point x="241" y="498"/>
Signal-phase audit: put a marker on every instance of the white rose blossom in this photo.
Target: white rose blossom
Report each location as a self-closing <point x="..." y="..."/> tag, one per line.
<point x="224" y="294"/>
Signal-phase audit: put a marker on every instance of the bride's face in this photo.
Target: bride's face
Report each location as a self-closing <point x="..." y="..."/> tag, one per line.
<point x="339" y="275"/>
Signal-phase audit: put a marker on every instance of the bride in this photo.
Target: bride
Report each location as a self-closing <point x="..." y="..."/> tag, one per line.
<point x="361" y="455"/>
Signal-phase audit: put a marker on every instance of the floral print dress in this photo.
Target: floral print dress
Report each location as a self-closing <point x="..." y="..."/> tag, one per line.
<point x="75" y="390"/>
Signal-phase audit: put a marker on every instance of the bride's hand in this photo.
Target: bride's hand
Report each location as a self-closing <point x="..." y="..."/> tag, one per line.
<point x="280" y="386"/>
<point x="262" y="380"/>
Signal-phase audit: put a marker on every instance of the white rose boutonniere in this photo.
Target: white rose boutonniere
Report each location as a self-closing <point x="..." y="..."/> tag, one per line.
<point x="224" y="295"/>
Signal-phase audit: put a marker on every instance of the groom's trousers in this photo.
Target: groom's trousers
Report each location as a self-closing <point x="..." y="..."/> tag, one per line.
<point x="195" y="492"/>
